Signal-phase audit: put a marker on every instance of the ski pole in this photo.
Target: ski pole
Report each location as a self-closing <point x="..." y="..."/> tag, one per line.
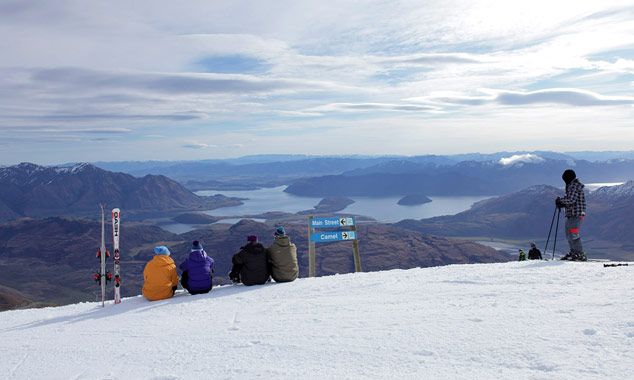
<point x="556" y="230"/>
<point x="550" y="230"/>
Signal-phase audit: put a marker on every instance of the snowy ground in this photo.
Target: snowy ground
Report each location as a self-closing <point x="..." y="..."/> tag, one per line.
<point x="518" y="320"/>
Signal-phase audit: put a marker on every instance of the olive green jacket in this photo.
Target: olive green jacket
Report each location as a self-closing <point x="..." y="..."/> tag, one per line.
<point x="282" y="257"/>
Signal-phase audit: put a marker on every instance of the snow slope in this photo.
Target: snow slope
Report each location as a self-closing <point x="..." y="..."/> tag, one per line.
<point x="519" y="320"/>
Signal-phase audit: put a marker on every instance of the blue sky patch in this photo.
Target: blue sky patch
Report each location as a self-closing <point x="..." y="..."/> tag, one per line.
<point x="234" y="64"/>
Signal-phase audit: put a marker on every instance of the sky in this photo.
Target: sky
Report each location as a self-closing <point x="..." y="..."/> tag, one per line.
<point x="519" y="320"/>
<point x="164" y="80"/>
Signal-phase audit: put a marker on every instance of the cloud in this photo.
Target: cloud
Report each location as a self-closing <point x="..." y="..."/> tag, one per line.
<point x="61" y="130"/>
<point x="198" y="72"/>
<point x="358" y="107"/>
<point x="198" y="146"/>
<point x="567" y="96"/>
<point x="572" y="97"/>
<point x="429" y="60"/>
<point x="182" y="83"/>
<point x="54" y="117"/>
<point x="521" y="159"/>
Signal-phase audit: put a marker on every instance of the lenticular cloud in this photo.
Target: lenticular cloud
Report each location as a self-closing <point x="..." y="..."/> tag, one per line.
<point x="521" y="158"/>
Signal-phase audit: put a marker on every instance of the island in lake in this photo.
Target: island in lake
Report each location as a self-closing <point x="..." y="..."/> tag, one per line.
<point x="329" y="205"/>
<point x="413" y="200"/>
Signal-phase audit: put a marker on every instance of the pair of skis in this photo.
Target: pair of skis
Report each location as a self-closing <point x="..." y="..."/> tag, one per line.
<point x="103" y="276"/>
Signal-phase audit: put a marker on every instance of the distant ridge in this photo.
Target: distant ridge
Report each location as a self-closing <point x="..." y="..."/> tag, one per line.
<point x="36" y="191"/>
<point x="494" y="177"/>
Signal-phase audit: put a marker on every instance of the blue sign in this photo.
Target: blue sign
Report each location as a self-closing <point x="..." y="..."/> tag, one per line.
<point x="333" y="236"/>
<point x="331" y="222"/>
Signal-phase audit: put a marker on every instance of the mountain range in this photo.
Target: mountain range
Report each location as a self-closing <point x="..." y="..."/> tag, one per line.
<point x="29" y="190"/>
<point x="251" y="172"/>
<point x="465" y="178"/>
<point x="47" y="248"/>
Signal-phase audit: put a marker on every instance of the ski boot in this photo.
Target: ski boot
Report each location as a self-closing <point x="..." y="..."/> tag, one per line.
<point x="580" y="257"/>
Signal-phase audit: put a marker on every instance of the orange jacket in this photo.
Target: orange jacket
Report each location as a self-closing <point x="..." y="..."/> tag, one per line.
<point x="160" y="276"/>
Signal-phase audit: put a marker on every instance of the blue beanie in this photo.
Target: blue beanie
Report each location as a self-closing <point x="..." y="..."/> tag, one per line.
<point x="280" y="231"/>
<point x="196" y="246"/>
<point x="162" y="250"/>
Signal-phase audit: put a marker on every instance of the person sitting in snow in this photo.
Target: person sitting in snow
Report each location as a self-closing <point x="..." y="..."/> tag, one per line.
<point x="197" y="270"/>
<point x="522" y="255"/>
<point x="282" y="257"/>
<point x="250" y="265"/>
<point x="534" y="253"/>
<point x="161" y="279"/>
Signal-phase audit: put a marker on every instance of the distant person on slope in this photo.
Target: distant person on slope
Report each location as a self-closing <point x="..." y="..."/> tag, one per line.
<point x="197" y="270"/>
<point x="522" y="255"/>
<point x="282" y="257"/>
<point x="161" y="279"/>
<point x="534" y="253"/>
<point x="575" y="204"/>
<point x="250" y="265"/>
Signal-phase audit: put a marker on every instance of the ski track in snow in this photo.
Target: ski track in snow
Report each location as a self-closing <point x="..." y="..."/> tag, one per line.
<point x="521" y="320"/>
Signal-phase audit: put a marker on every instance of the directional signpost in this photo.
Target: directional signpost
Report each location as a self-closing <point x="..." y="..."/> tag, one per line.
<point x="329" y="236"/>
<point x="318" y="237"/>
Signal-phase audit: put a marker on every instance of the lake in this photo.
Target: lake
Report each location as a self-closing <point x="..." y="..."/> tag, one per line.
<point x="383" y="209"/>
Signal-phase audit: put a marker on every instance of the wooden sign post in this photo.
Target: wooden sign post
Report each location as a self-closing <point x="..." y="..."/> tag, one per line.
<point x="317" y="237"/>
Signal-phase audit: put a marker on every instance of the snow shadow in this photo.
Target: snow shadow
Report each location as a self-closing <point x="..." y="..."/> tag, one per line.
<point x="139" y="304"/>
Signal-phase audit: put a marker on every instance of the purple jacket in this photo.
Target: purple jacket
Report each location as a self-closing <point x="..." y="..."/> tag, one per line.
<point x="199" y="270"/>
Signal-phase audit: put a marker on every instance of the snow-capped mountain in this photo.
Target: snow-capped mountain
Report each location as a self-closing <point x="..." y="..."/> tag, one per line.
<point x="505" y="175"/>
<point x="519" y="320"/>
<point x="622" y="192"/>
<point x="37" y="191"/>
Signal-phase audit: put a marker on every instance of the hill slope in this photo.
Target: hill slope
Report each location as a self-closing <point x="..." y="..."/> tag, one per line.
<point x="34" y="251"/>
<point x="37" y="191"/>
<point x="529" y="320"/>
<point x="527" y="214"/>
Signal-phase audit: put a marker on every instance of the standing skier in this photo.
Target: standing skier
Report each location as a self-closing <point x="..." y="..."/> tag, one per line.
<point x="575" y="204"/>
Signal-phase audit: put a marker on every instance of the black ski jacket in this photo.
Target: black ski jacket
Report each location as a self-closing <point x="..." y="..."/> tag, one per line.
<point x="254" y="267"/>
<point x="534" y="254"/>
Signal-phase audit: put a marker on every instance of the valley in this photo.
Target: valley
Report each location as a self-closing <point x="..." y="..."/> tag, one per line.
<point x="47" y="254"/>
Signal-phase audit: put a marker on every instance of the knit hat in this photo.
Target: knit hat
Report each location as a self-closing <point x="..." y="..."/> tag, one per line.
<point x="252" y="238"/>
<point x="280" y="231"/>
<point x="568" y="176"/>
<point x="196" y="246"/>
<point x="162" y="250"/>
<point x="533" y="245"/>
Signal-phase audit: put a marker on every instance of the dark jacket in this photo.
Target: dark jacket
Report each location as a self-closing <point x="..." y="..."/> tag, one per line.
<point x="534" y="254"/>
<point x="254" y="268"/>
<point x="282" y="256"/>
<point x="574" y="201"/>
<point x="198" y="267"/>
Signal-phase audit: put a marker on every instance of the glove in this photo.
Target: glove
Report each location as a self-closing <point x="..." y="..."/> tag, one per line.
<point x="559" y="203"/>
